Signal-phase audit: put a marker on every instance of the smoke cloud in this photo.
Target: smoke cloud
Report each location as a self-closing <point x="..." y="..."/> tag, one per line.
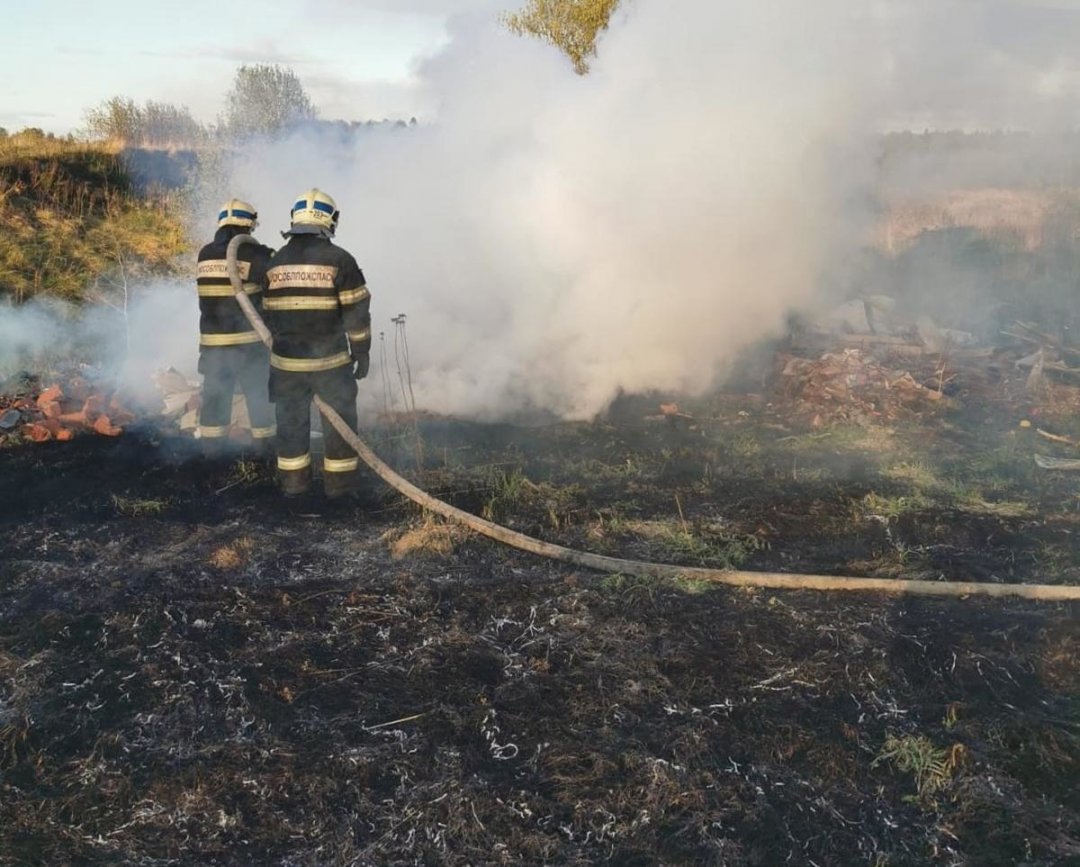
<point x="554" y="238"/>
<point x="158" y="328"/>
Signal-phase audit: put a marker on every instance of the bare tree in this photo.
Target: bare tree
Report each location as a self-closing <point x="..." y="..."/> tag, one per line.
<point x="152" y="124"/>
<point x="115" y="119"/>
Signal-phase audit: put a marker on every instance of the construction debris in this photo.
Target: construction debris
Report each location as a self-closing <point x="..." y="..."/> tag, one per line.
<point x="182" y="397"/>
<point x="853" y="386"/>
<point x="875" y="318"/>
<point x="76" y="404"/>
<point x="60" y="412"/>
<point x="674" y="416"/>
<point x="10" y="418"/>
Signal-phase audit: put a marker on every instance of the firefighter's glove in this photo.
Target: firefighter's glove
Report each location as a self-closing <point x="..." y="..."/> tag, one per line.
<point x="360" y="366"/>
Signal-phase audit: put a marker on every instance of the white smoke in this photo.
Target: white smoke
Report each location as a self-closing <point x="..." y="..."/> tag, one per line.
<point x="979" y="64"/>
<point x="555" y="238"/>
<point x="124" y="343"/>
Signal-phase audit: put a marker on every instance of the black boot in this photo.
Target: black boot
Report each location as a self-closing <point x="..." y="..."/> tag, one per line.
<point x="338" y="486"/>
<point x="294" y="483"/>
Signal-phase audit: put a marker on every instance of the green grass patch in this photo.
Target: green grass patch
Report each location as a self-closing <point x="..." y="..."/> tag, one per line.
<point x="136" y="507"/>
<point x="1003" y="468"/>
<point x="839" y="438"/>
<point x="916" y="474"/>
<point x="512" y="495"/>
<point x="696" y="544"/>
<point x="925" y="488"/>
<point x="594" y="471"/>
<point x="930" y="767"/>
<point x="507" y="488"/>
<point x="894" y="506"/>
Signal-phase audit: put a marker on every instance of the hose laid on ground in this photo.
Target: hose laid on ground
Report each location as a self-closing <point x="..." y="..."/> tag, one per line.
<point x="615" y="565"/>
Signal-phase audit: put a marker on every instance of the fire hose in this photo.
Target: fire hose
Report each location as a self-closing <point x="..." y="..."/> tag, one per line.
<point x="616" y="565"/>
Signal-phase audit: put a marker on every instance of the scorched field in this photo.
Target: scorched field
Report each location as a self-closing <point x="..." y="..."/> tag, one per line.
<point x="195" y="671"/>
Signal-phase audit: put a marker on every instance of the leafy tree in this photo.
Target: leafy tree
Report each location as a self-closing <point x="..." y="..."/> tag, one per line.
<point x="265" y="99"/>
<point x="570" y="25"/>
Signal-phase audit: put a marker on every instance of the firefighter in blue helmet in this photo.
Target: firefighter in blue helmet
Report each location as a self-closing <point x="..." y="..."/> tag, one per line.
<point x="317" y="309"/>
<point x="230" y="352"/>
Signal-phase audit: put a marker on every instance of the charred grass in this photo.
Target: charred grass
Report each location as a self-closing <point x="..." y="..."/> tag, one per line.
<point x="239" y="679"/>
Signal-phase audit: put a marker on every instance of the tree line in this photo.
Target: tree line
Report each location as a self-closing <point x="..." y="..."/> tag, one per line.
<point x="267" y="99"/>
<point x="264" y="99"/>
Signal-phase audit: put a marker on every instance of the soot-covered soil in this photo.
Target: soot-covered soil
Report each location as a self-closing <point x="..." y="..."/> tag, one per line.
<point x="193" y="671"/>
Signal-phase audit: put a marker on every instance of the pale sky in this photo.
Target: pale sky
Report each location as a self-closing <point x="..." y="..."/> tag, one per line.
<point x="356" y="59"/>
<point x="954" y="59"/>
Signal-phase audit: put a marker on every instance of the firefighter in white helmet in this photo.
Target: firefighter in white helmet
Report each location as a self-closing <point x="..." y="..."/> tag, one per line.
<point x="230" y="352"/>
<point x="317" y="309"/>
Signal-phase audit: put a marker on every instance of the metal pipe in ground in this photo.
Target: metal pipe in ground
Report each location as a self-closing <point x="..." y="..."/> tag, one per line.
<point x="616" y="565"/>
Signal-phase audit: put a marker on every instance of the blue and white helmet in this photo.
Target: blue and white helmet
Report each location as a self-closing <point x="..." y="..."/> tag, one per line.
<point x="314" y="209"/>
<point x="236" y="212"/>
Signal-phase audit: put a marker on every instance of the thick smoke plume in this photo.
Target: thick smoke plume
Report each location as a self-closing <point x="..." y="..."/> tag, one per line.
<point x="555" y="238"/>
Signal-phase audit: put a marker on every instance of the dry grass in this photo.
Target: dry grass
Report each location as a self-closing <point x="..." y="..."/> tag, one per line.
<point x="233" y="555"/>
<point x="1061" y="660"/>
<point x="26" y="144"/>
<point x="1023" y="215"/>
<point x="72" y="227"/>
<point x="432" y="537"/>
<point x="9" y="663"/>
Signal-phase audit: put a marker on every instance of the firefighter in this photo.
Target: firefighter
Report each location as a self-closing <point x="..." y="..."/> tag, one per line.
<point x="230" y="352"/>
<point x="316" y="307"/>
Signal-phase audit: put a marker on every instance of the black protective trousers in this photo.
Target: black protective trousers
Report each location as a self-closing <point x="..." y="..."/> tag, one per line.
<point x="223" y="367"/>
<point x="292" y="393"/>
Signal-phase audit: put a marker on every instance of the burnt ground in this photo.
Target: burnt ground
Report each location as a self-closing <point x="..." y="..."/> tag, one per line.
<point x="194" y="671"/>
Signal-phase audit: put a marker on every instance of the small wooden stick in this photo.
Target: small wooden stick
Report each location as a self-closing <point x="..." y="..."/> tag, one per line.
<point x="395" y="722"/>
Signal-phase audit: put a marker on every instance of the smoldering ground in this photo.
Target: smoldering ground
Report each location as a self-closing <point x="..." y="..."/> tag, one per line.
<point x="193" y="670"/>
<point x="555" y="238"/>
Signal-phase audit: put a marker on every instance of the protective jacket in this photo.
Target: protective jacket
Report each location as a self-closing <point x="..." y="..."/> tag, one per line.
<point x="316" y="306"/>
<point x="317" y="309"/>
<point x="230" y="352"/>
<point x="222" y="322"/>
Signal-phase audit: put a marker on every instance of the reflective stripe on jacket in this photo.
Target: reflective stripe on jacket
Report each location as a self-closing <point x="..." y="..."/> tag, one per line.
<point x="221" y="321"/>
<point x="317" y="306"/>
